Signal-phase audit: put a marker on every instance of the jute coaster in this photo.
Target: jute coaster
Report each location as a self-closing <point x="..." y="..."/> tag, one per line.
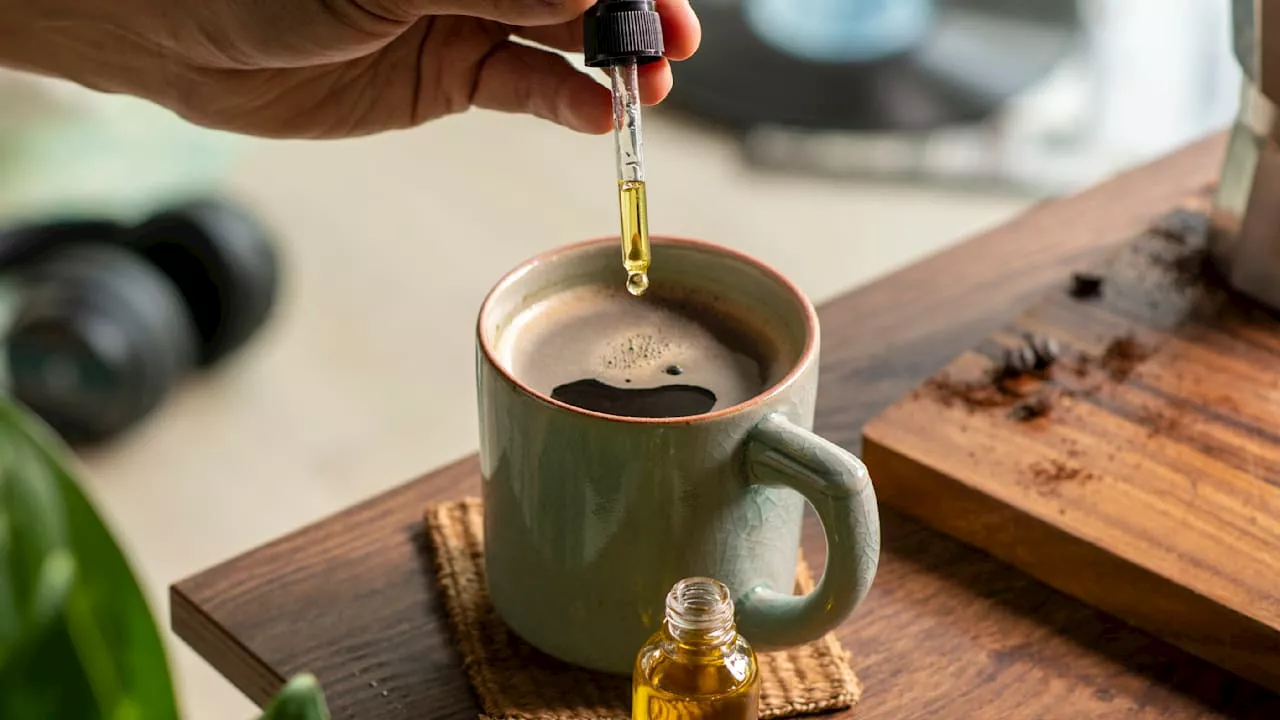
<point x="514" y="681"/>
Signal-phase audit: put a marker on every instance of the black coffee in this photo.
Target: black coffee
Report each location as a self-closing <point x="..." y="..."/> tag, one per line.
<point x="659" y="355"/>
<point x="656" y="402"/>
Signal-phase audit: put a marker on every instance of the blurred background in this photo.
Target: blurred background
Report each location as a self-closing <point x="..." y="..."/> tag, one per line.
<point x="836" y="139"/>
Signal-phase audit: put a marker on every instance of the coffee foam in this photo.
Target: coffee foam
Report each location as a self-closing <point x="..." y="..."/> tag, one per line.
<point x="600" y="332"/>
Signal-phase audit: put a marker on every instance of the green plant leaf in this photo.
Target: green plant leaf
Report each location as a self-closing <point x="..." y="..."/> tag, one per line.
<point x="105" y="617"/>
<point x="36" y="565"/>
<point x="46" y="680"/>
<point x="11" y="624"/>
<point x="77" y="638"/>
<point x="300" y="699"/>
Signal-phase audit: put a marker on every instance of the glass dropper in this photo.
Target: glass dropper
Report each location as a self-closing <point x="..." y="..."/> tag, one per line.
<point x="621" y="35"/>
<point x="633" y="206"/>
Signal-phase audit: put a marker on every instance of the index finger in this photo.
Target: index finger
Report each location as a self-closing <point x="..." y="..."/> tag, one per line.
<point x="681" y="31"/>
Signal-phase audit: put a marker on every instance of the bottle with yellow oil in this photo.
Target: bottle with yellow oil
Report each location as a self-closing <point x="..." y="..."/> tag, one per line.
<point x="697" y="667"/>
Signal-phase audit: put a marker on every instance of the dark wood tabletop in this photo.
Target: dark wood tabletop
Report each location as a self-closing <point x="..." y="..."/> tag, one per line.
<point x="946" y="632"/>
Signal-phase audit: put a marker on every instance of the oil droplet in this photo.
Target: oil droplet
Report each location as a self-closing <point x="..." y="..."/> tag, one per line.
<point x="637" y="283"/>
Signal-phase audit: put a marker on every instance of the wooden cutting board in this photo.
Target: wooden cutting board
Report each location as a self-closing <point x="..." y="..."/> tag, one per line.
<point x="1139" y="471"/>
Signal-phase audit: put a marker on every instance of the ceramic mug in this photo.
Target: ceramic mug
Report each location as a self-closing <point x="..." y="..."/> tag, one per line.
<point x="590" y="518"/>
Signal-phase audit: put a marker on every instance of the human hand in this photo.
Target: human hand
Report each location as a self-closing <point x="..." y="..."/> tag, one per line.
<point x="331" y="68"/>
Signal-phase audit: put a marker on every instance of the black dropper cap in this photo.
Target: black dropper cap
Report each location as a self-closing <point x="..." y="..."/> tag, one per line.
<point x="617" y="30"/>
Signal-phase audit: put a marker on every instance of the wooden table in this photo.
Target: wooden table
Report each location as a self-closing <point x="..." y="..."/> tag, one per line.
<point x="947" y="632"/>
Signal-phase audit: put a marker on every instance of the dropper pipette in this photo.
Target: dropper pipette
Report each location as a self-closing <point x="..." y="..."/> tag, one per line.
<point x="621" y="35"/>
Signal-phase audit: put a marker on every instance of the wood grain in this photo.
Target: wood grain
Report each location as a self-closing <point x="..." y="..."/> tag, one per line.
<point x="946" y="631"/>
<point x="1151" y="489"/>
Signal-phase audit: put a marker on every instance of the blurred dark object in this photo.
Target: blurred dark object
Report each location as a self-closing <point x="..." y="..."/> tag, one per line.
<point x="1037" y="97"/>
<point x="222" y="261"/>
<point x="869" y="64"/>
<point x="102" y="320"/>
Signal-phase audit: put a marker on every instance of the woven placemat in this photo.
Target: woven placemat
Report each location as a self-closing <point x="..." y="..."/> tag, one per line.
<point x="515" y="681"/>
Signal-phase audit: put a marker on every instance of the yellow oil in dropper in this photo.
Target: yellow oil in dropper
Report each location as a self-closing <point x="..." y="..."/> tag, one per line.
<point x="621" y="35"/>
<point x="633" y="206"/>
<point x="635" y="234"/>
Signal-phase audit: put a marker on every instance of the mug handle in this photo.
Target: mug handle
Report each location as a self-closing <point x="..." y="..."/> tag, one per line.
<point x="835" y="482"/>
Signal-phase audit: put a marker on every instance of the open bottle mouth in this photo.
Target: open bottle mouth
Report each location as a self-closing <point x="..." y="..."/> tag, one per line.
<point x="700" y="602"/>
<point x="700" y="607"/>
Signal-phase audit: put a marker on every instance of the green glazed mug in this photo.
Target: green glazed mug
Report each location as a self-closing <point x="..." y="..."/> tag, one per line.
<point x="590" y="518"/>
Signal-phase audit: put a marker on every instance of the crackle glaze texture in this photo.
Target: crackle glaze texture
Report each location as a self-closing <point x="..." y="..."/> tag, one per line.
<point x="590" y="519"/>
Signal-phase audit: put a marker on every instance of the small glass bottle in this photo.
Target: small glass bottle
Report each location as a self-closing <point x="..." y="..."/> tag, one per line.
<point x="697" y="667"/>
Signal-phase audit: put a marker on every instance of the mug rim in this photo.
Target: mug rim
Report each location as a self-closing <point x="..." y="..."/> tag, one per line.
<point x="799" y="367"/>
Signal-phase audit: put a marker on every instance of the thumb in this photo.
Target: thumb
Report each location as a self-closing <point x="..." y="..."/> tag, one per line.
<point x="511" y="12"/>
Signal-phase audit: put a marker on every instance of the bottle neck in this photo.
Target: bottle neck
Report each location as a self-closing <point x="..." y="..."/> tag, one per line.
<point x="700" y="613"/>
